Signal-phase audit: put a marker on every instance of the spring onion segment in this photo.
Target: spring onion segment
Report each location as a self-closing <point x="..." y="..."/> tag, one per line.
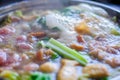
<point x="9" y="75"/>
<point x="54" y="55"/>
<point x="65" y="51"/>
<point x="19" y="13"/>
<point x="115" y="32"/>
<point x="40" y="76"/>
<point x="104" y="78"/>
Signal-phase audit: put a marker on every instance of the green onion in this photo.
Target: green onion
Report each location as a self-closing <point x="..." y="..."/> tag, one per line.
<point x="115" y="32"/>
<point x="35" y="75"/>
<point x="45" y="77"/>
<point x="41" y="44"/>
<point x="55" y="29"/>
<point x="19" y="13"/>
<point x="104" y="78"/>
<point x="41" y="20"/>
<point x="45" y="39"/>
<point x="70" y="11"/>
<point x="114" y="18"/>
<point x="9" y="75"/>
<point x="40" y="76"/>
<point x="5" y="21"/>
<point x="25" y="77"/>
<point x="65" y="51"/>
<point x="54" y="55"/>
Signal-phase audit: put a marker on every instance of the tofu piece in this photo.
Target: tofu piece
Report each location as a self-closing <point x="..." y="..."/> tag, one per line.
<point x="48" y="67"/>
<point x="96" y="70"/>
<point x="67" y="73"/>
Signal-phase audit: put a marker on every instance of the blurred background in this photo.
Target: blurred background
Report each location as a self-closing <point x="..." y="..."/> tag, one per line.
<point x="113" y="3"/>
<point x="109" y="1"/>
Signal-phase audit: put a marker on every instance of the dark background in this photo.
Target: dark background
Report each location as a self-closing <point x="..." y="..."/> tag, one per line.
<point x="109" y="1"/>
<point x="114" y="3"/>
<point x="6" y="2"/>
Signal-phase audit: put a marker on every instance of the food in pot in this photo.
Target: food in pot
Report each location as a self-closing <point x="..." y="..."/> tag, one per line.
<point x="79" y="42"/>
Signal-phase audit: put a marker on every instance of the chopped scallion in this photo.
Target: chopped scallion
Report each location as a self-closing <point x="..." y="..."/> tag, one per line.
<point x="41" y="44"/>
<point x="65" y="51"/>
<point x="19" y="13"/>
<point x="115" y="32"/>
<point x="40" y="76"/>
<point x="104" y="78"/>
<point x="54" y="55"/>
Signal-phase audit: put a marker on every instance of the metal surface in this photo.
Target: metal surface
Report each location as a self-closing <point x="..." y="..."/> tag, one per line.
<point x="32" y="4"/>
<point x="55" y="4"/>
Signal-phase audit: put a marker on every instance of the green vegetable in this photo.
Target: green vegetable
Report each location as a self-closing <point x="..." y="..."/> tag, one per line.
<point x="45" y="77"/>
<point x="5" y="21"/>
<point x="55" y="29"/>
<point x="54" y="55"/>
<point x="114" y="18"/>
<point x="9" y="75"/>
<point x="25" y="77"/>
<point x="65" y="51"/>
<point x="18" y="13"/>
<point x="115" y="32"/>
<point x="40" y="76"/>
<point x="104" y="78"/>
<point x="70" y="11"/>
<point x="41" y="20"/>
<point x="35" y="75"/>
<point x="46" y="39"/>
<point x="41" y="44"/>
